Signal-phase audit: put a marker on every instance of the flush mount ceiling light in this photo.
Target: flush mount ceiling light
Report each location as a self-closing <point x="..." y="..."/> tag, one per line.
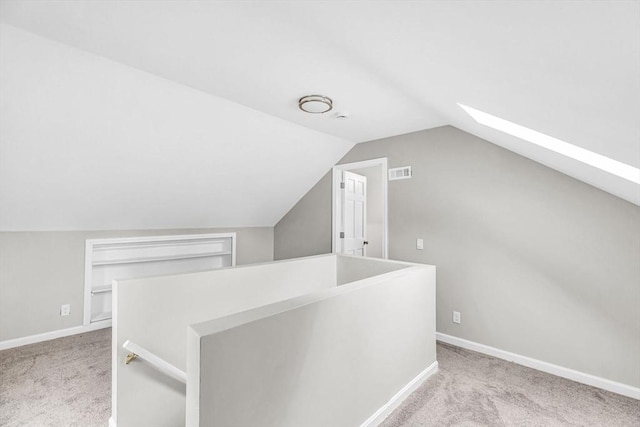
<point x="315" y="104"/>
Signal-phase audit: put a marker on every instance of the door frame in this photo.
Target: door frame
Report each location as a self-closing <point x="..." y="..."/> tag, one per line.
<point x="335" y="202"/>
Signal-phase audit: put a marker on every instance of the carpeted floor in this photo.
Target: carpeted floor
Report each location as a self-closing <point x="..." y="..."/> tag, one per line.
<point x="471" y="389"/>
<point x="62" y="382"/>
<point x="67" y="382"/>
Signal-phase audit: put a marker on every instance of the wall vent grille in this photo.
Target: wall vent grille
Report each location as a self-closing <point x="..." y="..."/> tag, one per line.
<point x="403" y="172"/>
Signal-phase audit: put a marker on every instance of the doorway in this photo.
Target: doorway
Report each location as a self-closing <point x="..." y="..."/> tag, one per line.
<point x="359" y="199"/>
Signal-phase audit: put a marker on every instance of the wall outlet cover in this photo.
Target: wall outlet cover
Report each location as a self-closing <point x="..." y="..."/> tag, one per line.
<point x="456" y="317"/>
<point x="419" y="244"/>
<point x="65" y="309"/>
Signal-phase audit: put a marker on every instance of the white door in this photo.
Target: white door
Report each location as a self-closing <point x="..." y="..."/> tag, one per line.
<point x="354" y="214"/>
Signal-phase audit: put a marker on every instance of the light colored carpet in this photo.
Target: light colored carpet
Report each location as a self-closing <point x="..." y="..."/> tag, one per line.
<point x="67" y="382"/>
<point x="471" y="389"/>
<point x="62" y="382"/>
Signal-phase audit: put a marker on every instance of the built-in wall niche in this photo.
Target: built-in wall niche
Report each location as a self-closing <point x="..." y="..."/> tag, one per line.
<point x="134" y="257"/>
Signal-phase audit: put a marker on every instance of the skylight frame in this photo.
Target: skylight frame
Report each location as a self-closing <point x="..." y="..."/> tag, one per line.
<point x="556" y="145"/>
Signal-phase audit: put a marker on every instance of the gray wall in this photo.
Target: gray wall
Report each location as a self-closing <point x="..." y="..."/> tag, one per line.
<point x="306" y="228"/>
<point x="538" y="263"/>
<point x="39" y="271"/>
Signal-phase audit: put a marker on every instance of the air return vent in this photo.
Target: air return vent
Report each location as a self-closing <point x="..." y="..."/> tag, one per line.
<point x="400" y="173"/>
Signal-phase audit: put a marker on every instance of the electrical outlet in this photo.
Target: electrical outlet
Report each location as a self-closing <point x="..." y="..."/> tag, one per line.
<point x="65" y="309"/>
<point x="419" y="244"/>
<point x="456" y="317"/>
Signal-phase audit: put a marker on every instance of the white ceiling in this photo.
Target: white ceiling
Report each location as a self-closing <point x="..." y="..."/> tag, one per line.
<point x="88" y="143"/>
<point x="567" y="69"/>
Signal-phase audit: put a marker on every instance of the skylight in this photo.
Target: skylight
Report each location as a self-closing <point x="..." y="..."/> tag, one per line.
<point x="550" y="143"/>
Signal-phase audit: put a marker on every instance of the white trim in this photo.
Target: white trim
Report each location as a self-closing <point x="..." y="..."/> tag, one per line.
<point x="379" y="416"/>
<point x="111" y="422"/>
<point x="165" y="237"/>
<point x="581" y="377"/>
<point x="337" y="178"/>
<point x="32" y="339"/>
<point x="88" y="270"/>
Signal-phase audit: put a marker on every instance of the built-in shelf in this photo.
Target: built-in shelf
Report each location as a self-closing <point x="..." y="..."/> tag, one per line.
<point x="158" y="259"/>
<point x="98" y="317"/>
<point x="107" y="260"/>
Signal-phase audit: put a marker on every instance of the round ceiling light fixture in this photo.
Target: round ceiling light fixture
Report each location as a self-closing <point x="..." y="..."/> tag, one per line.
<point x="315" y="104"/>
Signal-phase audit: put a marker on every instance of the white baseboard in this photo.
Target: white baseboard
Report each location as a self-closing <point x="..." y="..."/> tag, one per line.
<point x="581" y="377"/>
<point x="111" y="422"/>
<point x="400" y="396"/>
<point x="32" y="339"/>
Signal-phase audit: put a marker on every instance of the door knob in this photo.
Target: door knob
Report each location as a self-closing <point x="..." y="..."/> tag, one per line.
<point x="365" y="243"/>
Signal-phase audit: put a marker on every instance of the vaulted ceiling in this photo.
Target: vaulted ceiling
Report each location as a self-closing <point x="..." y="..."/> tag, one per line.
<point x="145" y="114"/>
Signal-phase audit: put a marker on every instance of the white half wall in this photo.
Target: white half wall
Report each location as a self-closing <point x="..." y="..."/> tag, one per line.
<point x="337" y="357"/>
<point x="155" y="312"/>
